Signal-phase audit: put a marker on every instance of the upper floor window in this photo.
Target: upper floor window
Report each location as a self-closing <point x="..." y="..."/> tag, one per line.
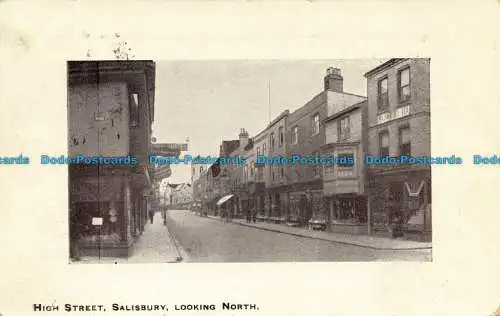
<point x="383" y="95"/>
<point x="134" y="109"/>
<point x="404" y="141"/>
<point x="315" y="124"/>
<point x="384" y="144"/>
<point x="404" y="85"/>
<point x="295" y="135"/>
<point x="271" y="141"/>
<point x="264" y="148"/>
<point x="344" y="129"/>
<point x="282" y="136"/>
<point x="258" y="151"/>
<point x="328" y="170"/>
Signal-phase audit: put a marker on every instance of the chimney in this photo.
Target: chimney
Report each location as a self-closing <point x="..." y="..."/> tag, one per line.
<point x="334" y="80"/>
<point x="243" y="138"/>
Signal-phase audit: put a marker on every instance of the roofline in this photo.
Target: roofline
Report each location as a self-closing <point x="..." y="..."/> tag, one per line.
<point x="387" y="64"/>
<point x="344" y="111"/>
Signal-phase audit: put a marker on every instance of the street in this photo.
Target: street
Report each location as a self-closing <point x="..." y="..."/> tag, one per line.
<point x="209" y="240"/>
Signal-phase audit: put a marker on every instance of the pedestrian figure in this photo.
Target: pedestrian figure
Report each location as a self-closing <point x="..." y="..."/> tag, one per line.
<point x="164" y="215"/>
<point x="74" y="231"/>
<point x="254" y="215"/>
<point x="248" y="215"/>
<point x="151" y="215"/>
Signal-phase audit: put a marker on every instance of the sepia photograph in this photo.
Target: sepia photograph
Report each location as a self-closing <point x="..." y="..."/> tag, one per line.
<point x="249" y="160"/>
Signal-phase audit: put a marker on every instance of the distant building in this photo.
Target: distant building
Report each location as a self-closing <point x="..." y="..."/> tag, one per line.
<point x="181" y="193"/>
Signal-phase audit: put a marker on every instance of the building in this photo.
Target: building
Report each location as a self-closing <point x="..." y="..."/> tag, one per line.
<point x="306" y="127"/>
<point x="345" y="181"/>
<point x="399" y="125"/>
<point x="276" y="174"/>
<point x="110" y="113"/>
<point x="179" y="194"/>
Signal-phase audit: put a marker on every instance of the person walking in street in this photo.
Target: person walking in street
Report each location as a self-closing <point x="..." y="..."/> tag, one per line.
<point x="248" y="215"/>
<point x="164" y="215"/>
<point x="254" y="215"/>
<point x="151" y="215"/>
<point x="74" y="232"/>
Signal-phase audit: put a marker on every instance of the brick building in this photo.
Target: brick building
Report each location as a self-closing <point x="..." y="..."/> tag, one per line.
<point x="399" y="125"/>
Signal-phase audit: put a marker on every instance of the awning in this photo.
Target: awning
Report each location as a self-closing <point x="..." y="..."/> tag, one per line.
<point x="224" y="199"/>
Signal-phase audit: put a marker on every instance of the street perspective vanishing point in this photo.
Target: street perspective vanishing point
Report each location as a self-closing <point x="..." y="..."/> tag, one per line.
<point x="248" y="161"/>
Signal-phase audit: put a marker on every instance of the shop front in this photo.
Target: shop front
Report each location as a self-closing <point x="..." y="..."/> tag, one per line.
<point x="101" y="212"/>
<point x="405" y="193"/>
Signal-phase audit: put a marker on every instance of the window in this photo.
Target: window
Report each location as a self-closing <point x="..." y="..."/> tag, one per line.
<point x="328" y="170"/>
<point x="258" y="151"/>
<point x="344" y="129"/>
<point x="383" y="96"/>
<point x="201" y="169"/>
<point x="346" y="160"/>
<point x="134" y="109"/>
<point x="295" y="135"/>
<point x="271" y="141"/>
<point x="404" y="85"/>
<point x="282" y="173"/>
<point x="264" y="148"/>
<point x="315" y="124"/>
<point x="383" y="144"/>
<point x="404" y="141"/>
<point x="252" y="170"/>
<point x="282" y="136"/>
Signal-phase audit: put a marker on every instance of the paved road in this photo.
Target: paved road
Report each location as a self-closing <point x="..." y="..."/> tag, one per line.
<point x="208" y="240"/>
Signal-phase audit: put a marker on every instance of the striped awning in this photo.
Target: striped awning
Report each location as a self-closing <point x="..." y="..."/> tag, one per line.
<point x="224" y="199"/>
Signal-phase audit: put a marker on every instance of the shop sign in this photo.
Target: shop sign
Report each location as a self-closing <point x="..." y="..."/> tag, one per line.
<point x="389" y="116"/>
<point x="97" y="221"/>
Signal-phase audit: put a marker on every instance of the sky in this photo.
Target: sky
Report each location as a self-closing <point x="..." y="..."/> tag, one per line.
<point x="210" y="101"/>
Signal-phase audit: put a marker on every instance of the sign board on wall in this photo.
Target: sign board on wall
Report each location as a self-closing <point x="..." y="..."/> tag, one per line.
<point x="389" y="116"/>
<point x="97" y="221"/>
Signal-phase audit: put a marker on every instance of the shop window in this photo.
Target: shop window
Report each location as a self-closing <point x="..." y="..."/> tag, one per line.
<point x="383" y="95"/>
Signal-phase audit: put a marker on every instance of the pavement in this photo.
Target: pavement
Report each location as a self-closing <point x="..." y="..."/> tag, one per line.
<point x="156" y="245"/>
<point x="371" y="242"/>
<point x="208" y="239"/>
